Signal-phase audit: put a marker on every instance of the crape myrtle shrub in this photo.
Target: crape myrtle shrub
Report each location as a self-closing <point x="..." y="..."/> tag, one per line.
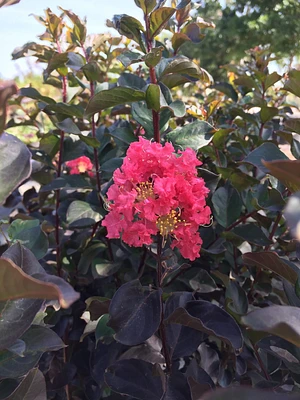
<point x="149" y="236"/>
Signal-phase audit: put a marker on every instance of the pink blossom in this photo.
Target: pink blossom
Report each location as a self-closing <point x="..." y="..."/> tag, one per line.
<point x="80" y="165"/>
<point x="157" y="191"/>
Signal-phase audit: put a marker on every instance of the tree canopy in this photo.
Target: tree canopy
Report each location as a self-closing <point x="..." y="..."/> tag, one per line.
<point x="244" y="24"/>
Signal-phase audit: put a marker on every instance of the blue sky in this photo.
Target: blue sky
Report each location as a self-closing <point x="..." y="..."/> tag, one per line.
<point x="18" y="27"/>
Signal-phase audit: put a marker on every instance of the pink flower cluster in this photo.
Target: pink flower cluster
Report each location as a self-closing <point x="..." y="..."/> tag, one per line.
<point x="80" y="165"/>
<point x="157" y="191"/>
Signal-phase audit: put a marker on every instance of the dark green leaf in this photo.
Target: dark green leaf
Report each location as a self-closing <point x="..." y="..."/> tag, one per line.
<point x="15" y="164"/>
<point x="267" y="152"/>
<point x="75" y="61"/>
<point x="135" y="313"/>
<point x="252" y="234"/>
<point x="129" y="27"/>
<point x="153" y="97"/>
<point x="238" y="296"/>
<point x="123" y="135"/>
<point x="102" y="330"/>
<point x="289" y="290"/>
<point x="193" y="32"/>
<point x="111" y="165"/>
<point x="153" y="57"/>
<point x="143" y="116"/>
<point x="146" y="5"/>
<point x="203" y="282"/>
<point x="104" y="269"/>
<point x="32" y="387"/>
<point x="32" y="93"/>
<point x="70" y="110"/>
<point x="57" y="61"/>
<point x="227" y="89"/>
<point x="268" y="113"/>
<point x="90" y="141"/>
<point x="113" y="97"/>
<point x="81" y="214"/>
<point x="159" y="19"/>
<point x="92" y="71"/>
<point x="293" y="83"/>
<point x="292" y="125"/>
<point x="177" y="387"/>
<point x="282" y="321"/>
<point x="211" y="179"/>
<point x="72" y="181"/>
<point x="17" y="315"/>
<point x="129" y="57"/>
<point x="38" y="339"/>
<point x="131" y="81"/>
<point x="16" y="318"/>
<point x="178" y="39"/>
<point x="271" y="79"/>
<point x="182" y="340"/>
<point x="50" y="145"/>
<point x="30" y="235"/>
<point x="68" y="126"/>
<point x="177" y="108"/>
<point x="79" y="29"/>
<point x="220" y="136"/>
<point x="194" y="135"/>
<point x="210" y="319"/>
<point x="18" y="347"/>
<point x="136" y="378"/>
<point x="178" y="65"/>
<point x="227" y="205"/>
<point x="88" y="255"/>
<point x="7" y="386"/>
<point x="273" y="262"/>
<point x="246" y="81"/>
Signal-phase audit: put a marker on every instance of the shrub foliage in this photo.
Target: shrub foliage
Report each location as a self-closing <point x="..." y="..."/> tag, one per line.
<point x="140" y="161"/>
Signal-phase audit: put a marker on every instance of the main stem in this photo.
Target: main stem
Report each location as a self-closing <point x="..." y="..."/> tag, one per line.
<point x="162" y="329"/>
<point x="59" y="169"/>
<point x="155" y="114"/>
<point x="155" y="118"/>
<point x="57" y="220"/>
<point x="96" y="160"/>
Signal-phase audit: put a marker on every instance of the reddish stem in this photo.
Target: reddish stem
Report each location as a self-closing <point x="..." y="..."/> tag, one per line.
<point x="261" y="129"/>
<point x="242" y="219"/>
<point x="217" y="155"/>
<point x="57" y="219"/>
<point x="275" y="226"/>
<point x="262" y="366"/>
<point x="239" y="221"/>
<point x="96" y="160"/>
<point x="155" y="116"/>
<point x="153" y="79"/>
<point x="162" y="330"/>
<point x="59" y="169"/>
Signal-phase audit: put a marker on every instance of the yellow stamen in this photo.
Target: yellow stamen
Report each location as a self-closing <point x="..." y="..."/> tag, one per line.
<point x="81" y="167"/>
<point x="144" y="191"/>
<point x="167" y="223"/>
